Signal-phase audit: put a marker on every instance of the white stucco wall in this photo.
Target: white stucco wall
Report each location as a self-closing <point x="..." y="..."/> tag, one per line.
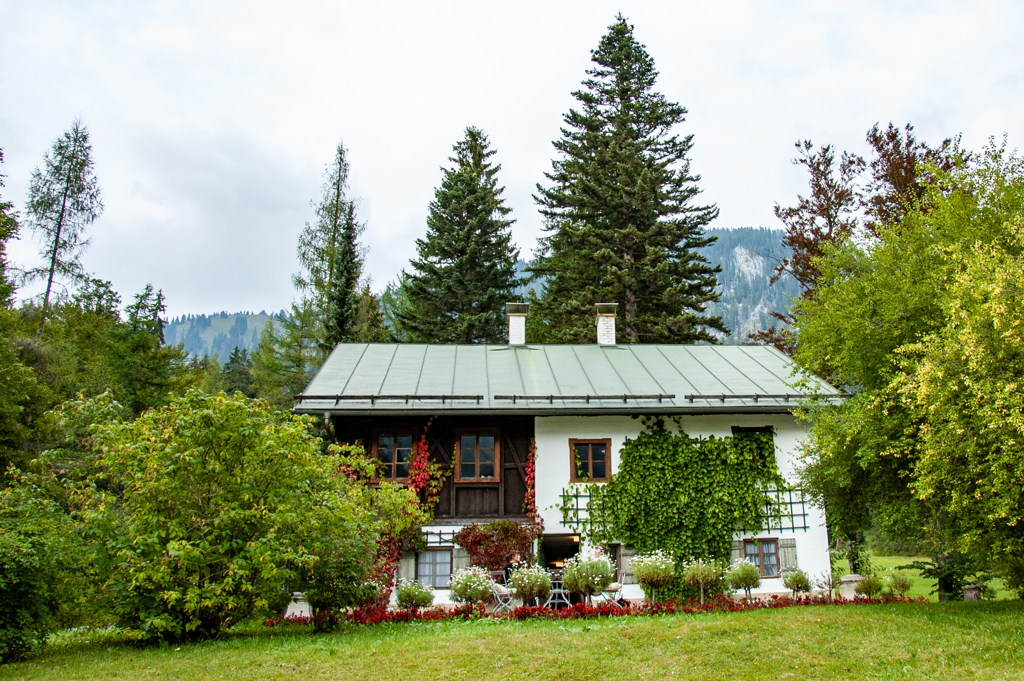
<point x="553" y="473"/>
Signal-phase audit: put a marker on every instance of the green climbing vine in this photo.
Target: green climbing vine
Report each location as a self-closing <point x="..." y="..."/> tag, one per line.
<point x="683" y="495"/>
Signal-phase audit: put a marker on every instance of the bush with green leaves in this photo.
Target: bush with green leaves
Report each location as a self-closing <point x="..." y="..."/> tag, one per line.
<point x="653" y="571"/>
<point x="703" y="574"/>
<point x="587" y="573"/>
<point x="412" y="594"/>
<point x="531" y="582"/>
<point x="899" y="583"/>
<point x="796" y="581"/>
<point x="869" y="586"/>
<point x="743" y="575"/>
<point x="41" y="560"/>
<point x="472" y="584"/>
<point x="225" y="502"/>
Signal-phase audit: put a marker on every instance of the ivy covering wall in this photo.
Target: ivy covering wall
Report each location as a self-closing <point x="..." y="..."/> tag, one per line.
<point x="683" y="495"/>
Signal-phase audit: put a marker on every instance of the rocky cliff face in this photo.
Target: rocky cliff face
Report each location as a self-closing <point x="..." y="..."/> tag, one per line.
<point x="748" y="256"/>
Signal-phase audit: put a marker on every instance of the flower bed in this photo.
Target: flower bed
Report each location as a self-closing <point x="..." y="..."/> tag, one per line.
<point x="375" y="614"/>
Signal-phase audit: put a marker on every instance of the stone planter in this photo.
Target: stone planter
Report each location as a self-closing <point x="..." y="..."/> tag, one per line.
<point x="847" y="584"/>
<point x="972" y="593"/>
<point x="299" y="607"/>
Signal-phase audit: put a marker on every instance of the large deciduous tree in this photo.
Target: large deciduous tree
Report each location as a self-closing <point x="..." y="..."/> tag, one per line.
<point x="898" y="176"/>
<point x="63" y="200"/>
<point x="885" y="323"/>
<point x="619" y="210"/>
<point x="465" y="269"/>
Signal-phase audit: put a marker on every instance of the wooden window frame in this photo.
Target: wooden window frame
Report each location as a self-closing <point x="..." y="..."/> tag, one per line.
<point x="457" y="447"/>
<point x="451" y="564"/>
<point x="760" y="555"/>
<point x="399" y="430"/>
<point x="607" y="442"/>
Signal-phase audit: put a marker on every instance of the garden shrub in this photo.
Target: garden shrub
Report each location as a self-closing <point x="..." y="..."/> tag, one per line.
<point x="587" y="574"/>
<point x="491" y="545"/>
<point x="899" y="582"/>
<point x="796" y="581"/>
<point x="40" y="562"/>
<point x="654" y="570"/>
<point x="703" y="574"/>
<point x="870" y="586"/>
<point x="531" y="582"/>
<point x="412" y="594"/>
<point x="743" y="575"/>
<point x="471" y="585"/>
<point x="225" y="501"/>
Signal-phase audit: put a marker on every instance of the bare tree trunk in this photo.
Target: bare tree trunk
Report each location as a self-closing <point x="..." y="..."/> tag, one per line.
<point x="53" y="257"/>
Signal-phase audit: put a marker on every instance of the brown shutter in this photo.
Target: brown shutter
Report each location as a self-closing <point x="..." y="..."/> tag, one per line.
<point x="737" y="551"/>
<point x="787" y="554"/>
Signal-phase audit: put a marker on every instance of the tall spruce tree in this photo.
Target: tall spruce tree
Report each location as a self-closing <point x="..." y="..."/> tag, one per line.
<point x="465" y="270"/>
<point x="618" y="211"/>
<point x="343" y="296"/>
<point x="63" y="200"/>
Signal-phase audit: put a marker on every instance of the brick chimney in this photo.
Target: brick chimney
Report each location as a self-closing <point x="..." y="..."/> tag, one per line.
<point x="606" y="323"/>
<point x="517" y="322"/>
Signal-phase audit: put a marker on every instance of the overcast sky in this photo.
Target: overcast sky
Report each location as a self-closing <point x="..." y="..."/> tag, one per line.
<point x="211" y="123"/>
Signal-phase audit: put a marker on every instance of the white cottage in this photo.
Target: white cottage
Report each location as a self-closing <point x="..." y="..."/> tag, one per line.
<point x="482" y="406"/>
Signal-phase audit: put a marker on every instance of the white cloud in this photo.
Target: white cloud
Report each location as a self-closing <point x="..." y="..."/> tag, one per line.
<point x="212" y="123"/>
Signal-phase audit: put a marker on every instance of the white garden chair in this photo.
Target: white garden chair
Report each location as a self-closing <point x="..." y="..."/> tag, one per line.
<point x="504" y="597"/>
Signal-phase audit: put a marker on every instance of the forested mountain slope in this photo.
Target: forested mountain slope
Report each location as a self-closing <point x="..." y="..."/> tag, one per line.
<point x="747" y="256"/>
<point x="216" y="334"/>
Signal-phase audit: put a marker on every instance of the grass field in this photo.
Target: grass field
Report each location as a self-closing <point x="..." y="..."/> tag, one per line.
<point x="983" y="640"/>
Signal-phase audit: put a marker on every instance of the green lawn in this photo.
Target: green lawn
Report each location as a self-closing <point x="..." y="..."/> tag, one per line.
<point x="922" y="586"/>
<point x="903" y="641"/>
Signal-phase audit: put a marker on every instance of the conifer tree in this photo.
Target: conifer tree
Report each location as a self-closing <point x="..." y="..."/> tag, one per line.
<point x="343" y="296"/>
<point x="465" y="269"/>
<point x="238" y="373"/>
<point x="63" y="199"/>
<point x="618" y="212"/>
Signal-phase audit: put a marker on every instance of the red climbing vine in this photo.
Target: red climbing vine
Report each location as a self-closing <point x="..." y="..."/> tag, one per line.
<point x="530" y="501"/>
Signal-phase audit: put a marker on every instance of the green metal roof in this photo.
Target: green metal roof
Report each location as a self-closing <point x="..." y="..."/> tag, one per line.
<point x="361" y="378"/>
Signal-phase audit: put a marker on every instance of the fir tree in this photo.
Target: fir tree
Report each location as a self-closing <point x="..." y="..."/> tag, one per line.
<point x="618" y="211"/>
<point x="238" y="373"/>
<point x="370" y="326"/>
<point x="465" y="270"/>
<point x="343" y="297"/>
<point x="63" y="199"/>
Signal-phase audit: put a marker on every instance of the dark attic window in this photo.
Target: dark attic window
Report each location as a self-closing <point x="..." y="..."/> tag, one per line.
<point x="394" y="450"/>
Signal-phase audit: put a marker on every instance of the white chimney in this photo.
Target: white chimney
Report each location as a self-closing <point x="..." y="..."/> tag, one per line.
<point x="606" y="323"/>
<point x="517" y="322"/>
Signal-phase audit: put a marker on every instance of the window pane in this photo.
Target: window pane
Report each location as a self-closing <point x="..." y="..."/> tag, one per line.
<point x="752" y="555"/>
<point x="402" y="470"/>
<point x="385" y="448"/>
<point x="468" y="445"/>
<point x="598" y="462"/>
<point x="468" y="470"/>
<point x="486" y="455"/>
<point x="487" y="441"/>
<point x="582" y="461"/>
<point x="403" y="448"/>
<point x="487" y="470"/>
<point x="771" y="564"/>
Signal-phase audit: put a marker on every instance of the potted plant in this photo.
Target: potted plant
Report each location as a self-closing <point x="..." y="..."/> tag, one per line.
<point x="654" y="570"/>
<point x="702" y="573"/>
<point x="414" y="595"/>
<point x="587" y="574"/>
<point x="471" y="585"/>
<point x="744" y="575"/>
<point x="531" y="582"/>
